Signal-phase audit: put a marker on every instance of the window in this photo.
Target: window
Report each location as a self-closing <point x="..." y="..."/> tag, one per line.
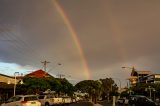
<point x="41" y="97"/>
<point x="17" y="98"/>
<point x="30" y="98"/>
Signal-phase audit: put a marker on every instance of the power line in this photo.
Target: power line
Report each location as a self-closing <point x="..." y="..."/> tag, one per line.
<point x="13" y="43"/>
<point x="17" y="42"/>
<point x="53" y="67"/>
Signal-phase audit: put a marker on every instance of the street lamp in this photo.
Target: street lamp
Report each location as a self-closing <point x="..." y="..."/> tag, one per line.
<point x="128" y="67"/>
<point x="15" y="82"/>
<point x="150" y="91"/>
<point x="119" y="83"/>
<point x="132" y="68"/>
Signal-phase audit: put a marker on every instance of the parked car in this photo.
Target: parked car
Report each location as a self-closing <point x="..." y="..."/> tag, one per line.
<point x="67" y="99"/>
<point x="50" y="99"/>
<point x="22" y="100"/>
<point x="120" y="101"/>
<point x="73" y="99"/>
<point x="138" y="100"/>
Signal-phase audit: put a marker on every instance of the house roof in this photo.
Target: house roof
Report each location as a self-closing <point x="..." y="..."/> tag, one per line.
<point x="138" y="73"/>
<point x="6" y="76"/>
<point x="38" y="74"/>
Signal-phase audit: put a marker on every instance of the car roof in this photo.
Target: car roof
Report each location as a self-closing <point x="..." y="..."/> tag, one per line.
<point x="121" y="98"/>
<point x="138" y="96"/>
<point x="25" y="95"/>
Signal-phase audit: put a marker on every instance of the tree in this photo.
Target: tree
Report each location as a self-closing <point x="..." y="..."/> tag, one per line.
<point x="35" y="85"/>
<point x="142" y="89"/>
<point x="66" y="86"/>
<point x="55" y="84"/>
<point x="124" y="94"/>
<point x="108" y="88"/>
<point x="91" y="87"/>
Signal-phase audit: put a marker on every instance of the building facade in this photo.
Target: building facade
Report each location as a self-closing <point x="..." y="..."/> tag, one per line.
<point x="6" y="87"/>
<point x="152" y="78"/>
<point x="138" y="77"/>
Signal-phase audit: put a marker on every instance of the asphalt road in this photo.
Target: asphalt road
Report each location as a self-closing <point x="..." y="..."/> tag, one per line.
<point x="86" y="103"/>
<point x="82" y="104"/>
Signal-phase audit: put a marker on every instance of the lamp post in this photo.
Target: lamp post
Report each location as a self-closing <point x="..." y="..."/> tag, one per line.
<point x="15" y="82"/>
<point x="150" y="91"/>
<point x="119" y="83"/>
<point x="154" y="94"/>
<point x="132" y="68"/>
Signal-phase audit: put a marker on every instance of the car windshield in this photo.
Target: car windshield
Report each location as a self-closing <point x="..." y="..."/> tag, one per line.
<point x="41" y="97"/>
<point x="15" y="98"/>
<point x="149" y="99"/>
<point x="30" y="98"/>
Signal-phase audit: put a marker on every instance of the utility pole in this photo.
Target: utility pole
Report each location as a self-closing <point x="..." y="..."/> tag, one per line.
<point x="60" y="75"/>
<point x="45" y="64"/>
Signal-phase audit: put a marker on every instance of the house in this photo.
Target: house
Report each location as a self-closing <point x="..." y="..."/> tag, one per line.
<point x="7" y="79"/>
<point x="39" y="74"/>
<point x="6" y="87"/>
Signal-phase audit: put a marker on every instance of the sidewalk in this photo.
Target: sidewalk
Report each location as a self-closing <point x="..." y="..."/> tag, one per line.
<point x="101" y="103"/>
<point x="97" y="105"/>
<point x="104" y="103"/>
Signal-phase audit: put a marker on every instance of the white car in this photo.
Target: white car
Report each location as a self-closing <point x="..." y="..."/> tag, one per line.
<point x="22" y="100"/>
<point x="49" y="99"/>
<point x="67" y="100"/>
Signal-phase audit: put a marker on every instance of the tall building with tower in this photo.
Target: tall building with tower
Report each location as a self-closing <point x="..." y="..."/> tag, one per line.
<point x="143" y="77"/>
<point x="136" y="76"/>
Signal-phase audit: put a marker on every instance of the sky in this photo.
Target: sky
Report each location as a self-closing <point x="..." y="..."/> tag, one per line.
<point x="91" y="39"/>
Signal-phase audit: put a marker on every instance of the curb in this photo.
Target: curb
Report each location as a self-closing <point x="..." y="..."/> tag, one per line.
<point x="96" y="104"/>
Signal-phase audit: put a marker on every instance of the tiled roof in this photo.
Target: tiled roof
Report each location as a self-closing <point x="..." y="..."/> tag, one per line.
<point x="38" y="74"/>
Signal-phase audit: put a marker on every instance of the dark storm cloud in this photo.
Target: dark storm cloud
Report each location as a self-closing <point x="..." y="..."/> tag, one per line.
<point x="112" y="33"/>
<point x="33" y="31"/>
<point x="135" y="23"/>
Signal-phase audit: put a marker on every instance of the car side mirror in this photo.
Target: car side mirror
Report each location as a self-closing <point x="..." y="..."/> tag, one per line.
<point x="147" y="100"/>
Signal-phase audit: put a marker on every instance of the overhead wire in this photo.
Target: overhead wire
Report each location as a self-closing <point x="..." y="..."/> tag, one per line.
<point x="12" y="35"/>
<point x="10" y="41"/>
<point x="18" y="44"/>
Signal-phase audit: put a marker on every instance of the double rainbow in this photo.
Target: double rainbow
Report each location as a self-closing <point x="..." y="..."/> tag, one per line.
<point x="74" y="35"/>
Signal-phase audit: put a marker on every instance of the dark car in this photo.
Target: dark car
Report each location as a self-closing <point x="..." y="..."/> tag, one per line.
<point x="120" y="101"/>
<point x="138" y="100"/>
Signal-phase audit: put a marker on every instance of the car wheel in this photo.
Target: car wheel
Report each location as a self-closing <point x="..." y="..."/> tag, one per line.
<point x="47" y="104"/>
